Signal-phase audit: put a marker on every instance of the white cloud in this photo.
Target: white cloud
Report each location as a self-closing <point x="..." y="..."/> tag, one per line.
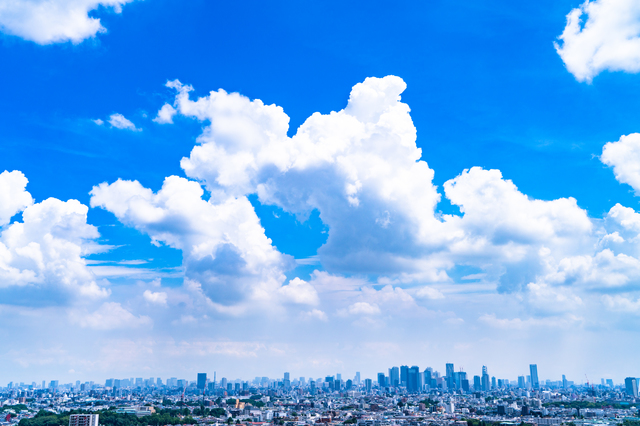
<point x="427" y="292"/>
<point x="45" y="251"/>
<point x="13" y="196"/>
<point x="619" y="303"/>
<point x="226" y="253"/>
<point x="601" y="35"/>
<point x="316" y="314"/>
<point x="165" y="115"/>
<point x="98" y="121"/>
<point x="120" y="122"/>
<point x="624" y="157"/>
<point x="363" y="308"/>
<point x="53" y="21"/>
<point x="157" y="298"/>
<point x="109" y="316"/>
<point x="299" y="291"/>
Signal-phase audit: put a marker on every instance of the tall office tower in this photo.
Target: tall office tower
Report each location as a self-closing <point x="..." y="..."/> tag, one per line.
<point x="116" y="383"/>
<point x="477" y="384"/>
<point x="601" y="382"/>
<point x="493" y="383"/>
<point x="565" y="384"/>
<point x="631" y="386"/>
<point x="223" y="383"/>
<point x="610" y="383"/>
<point x="427" y="377"/>
<point x="159" y="381"/>
<point x="202" y="381"/>
<point x="286" y="376"/>
<point x="84" y="419"/>
<point x="44" y="385"/>
<point x="382" y="380"/>
<point x="367" y="385"/>
<point x="287" y="381"/>
<point x="357" y="378"/>
<point x="338" y="376"/>
<point x="404" y="375"/>
<point x="412" y="379"/>
<point x="521" y="383"/>
<point x="486" y="385"/>
<point x="394" y="377"/>
<point x="449" y="377"/>
<point x="302" y="381"/>
<point x="533" y="368"/>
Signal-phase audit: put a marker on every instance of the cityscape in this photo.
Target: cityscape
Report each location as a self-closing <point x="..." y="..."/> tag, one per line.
<point x="400" y="396"/>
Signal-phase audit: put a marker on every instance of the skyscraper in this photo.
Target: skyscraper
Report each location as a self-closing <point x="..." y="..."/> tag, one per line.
<point x="404" y="375"/>
<point x="357" y="378"/>
<point x="382" y="382"/>
<point x="202" y="380"/>
<point x="412" y="379"/>
<point x="394" y="377"/>
<point x="477" y="385"/>
<point x="565" y="384"/>
<point x="521" y="382"/>
<point x="631" y="386"/>
<point x="486" y="384"/>
<point x="450" y="377"/>
<point x="533" y="368"/>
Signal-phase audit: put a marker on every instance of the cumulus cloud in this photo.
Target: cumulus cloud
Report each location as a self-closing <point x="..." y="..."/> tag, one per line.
<point x="109" y="316"/>
<point x="601" y="35"/>
<point x="316" y="314"/>
<point x="226" y="253"/>
<point x="165" y="115"/>
<point x="155" y="297"/>
<point x="45" y="250"/>
<point x="427" y="292"/>
<point x="54" y="21"/>
<point x="363" y="308"/>
<point x="119" y="121"/>
<point x="624" y="157"/>
<point x="13" y="196"/>
<point x="300" y="291"/>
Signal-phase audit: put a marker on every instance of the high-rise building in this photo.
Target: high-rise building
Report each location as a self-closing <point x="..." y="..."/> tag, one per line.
<point x="449" y="377"/>
<point x="477" y="385"/>
<point x="404" y="375"/>
<point x="83" y="419"/>
<point x="412" y="379"/>
<point x="367" y="385"/>
<point x="486" y="384"/>
<point x="394" y="377"/>
<point x="382" y="382"/>
<point x="533" y="369"/>
<point x="202" y="381"/>
<point x="565" y="384"/>
<point x="427" y="377"/>
<point x="610" y="383"/>
<point x="287" y="381"/>
<point x="521" y="382"/>
<point x="631" y="386"/>
<point x="357" y="378"/>
<point x="494" y="385"/>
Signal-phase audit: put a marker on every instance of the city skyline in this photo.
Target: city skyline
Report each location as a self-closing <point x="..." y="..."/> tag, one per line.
<point x="256" y="187"/>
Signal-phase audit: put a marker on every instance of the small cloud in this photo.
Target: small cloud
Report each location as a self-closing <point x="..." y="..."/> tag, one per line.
<point x="119" y="121"/>
<point x="165" y="115"/>
<point x="363" y="308"/>
<point x="185" y="320"/>
<point x="315" y="314"/>
<point x="431" y="293"/>
<point x="98" y="122"/>
<point x="157" y="298"/>
<point x="109" y="316"/>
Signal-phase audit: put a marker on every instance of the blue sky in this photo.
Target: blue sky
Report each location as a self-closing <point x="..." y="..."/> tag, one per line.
<point x="459" y="206"/>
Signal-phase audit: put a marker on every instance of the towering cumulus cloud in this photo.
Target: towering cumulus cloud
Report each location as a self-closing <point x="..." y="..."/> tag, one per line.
<point x="44" y="252"/>
<point x="53" y="21"/>
<point x="601" y="35"/>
